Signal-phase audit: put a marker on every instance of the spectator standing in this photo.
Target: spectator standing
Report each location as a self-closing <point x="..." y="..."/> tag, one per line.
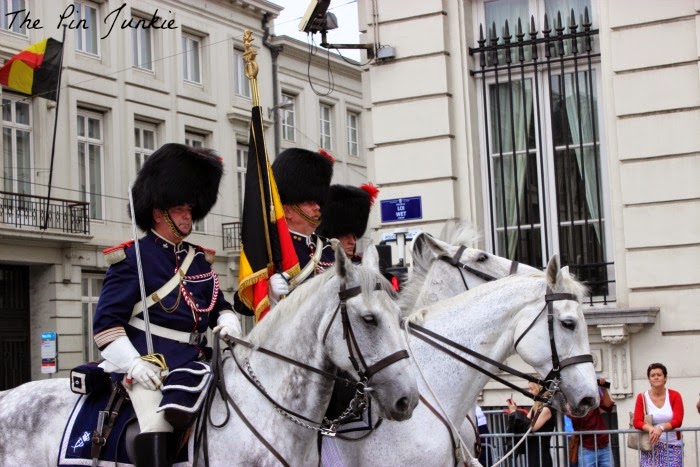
<point x="537" y="448"/>
<point x="595" y="449"/>
<point x="666" y="408"/>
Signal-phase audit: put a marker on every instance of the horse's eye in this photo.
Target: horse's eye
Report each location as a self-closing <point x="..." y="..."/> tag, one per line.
<point x="482" y="258"/>
<point x="569" y="324"/>
<point x="370" y="319"/>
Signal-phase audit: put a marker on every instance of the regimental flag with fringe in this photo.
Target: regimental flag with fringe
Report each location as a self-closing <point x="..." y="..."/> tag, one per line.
<point x="35" y="70"/>
<point x="266" y="242"/>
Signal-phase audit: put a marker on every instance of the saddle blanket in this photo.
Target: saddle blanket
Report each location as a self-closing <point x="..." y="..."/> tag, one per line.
<point x="76" y="442"/>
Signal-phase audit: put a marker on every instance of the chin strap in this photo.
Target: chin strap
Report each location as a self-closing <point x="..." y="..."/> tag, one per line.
<point x="173" y="228"/>
<point x="307" y="218"/>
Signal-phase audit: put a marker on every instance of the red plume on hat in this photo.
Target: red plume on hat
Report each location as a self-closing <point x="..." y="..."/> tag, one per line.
<point x="347" y="210"/>
<point x="372" y="191"/>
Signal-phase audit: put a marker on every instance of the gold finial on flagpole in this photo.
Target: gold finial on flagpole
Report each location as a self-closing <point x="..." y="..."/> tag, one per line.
<point x="251" y="68"/>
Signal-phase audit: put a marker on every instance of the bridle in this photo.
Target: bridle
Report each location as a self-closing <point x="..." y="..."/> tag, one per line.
<point x="455" y="261"/>
<point x="363" y="371"/>
<point x="551" y="382"/>
<point x="328" y="428"/>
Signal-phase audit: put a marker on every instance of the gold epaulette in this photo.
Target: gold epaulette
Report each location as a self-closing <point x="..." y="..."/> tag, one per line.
<point x="115" y="254"/>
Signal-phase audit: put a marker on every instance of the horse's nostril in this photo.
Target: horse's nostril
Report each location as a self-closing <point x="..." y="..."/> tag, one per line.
<point x="403" y="405"/>
<point x="587" y="402"/>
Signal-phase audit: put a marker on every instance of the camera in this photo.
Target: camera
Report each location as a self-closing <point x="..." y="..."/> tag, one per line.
<point x="605" y="385"/>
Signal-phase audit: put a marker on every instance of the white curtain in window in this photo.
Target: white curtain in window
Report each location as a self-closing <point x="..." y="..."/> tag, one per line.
<point x="515" y="120"/>
<point x="578" y="111"/>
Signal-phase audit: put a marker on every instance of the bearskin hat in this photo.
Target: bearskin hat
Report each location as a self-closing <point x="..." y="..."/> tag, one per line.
<point x="347" y="210"/>
<point x="176" y="174"/>
<point x="303" y="175"/>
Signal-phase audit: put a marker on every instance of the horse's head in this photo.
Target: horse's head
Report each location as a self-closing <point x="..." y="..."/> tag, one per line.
<point x="363" y="336"/>
<point x="442" y="270"/>
<point x="552" y="335"/>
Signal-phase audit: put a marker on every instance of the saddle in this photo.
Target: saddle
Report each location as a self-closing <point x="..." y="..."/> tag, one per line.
<point x="102" y="426"/>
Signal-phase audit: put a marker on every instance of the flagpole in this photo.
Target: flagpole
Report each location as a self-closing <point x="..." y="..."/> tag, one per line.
<point x="55" y="125"/>
<point x="251" y="72"/>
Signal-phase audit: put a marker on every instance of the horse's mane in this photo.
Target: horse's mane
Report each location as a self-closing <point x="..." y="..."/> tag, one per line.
<point x="308" y="291"/>
<point x="453" y="232"/>
<point x="459" y="233"/>
<point x="568" y="284"/>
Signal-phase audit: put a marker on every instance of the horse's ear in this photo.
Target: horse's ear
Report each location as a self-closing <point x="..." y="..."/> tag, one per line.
<point x="553" y="271"/>
<point x="370" y="258"/>
<point x="341" y="261"/>
<point x="437" y="247"/>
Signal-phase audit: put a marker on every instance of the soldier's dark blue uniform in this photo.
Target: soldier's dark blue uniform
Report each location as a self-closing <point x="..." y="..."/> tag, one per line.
<point x="305" y="248"/>
<point x="189" y="307"/>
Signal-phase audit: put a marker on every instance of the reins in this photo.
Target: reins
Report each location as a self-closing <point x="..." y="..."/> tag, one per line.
<point x="325" y="427"/>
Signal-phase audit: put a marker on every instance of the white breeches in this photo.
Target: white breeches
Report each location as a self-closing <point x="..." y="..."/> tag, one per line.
<point x="146" y="402"/>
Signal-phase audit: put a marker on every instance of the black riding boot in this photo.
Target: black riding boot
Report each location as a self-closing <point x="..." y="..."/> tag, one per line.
<point x="153" y="449"/>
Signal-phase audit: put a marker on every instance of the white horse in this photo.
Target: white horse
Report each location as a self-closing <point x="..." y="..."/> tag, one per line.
<point x="490" y="320"/>
<point x="309" y="327"/>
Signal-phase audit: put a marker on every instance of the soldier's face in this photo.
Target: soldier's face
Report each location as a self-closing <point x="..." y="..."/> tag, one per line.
<point x="182" y="217"/>
<point x="348" y="242"/>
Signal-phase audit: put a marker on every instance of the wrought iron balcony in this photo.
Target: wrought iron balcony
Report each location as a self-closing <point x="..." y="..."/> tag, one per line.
<point x="30" y="211"/>
<point x="231" y="235"/>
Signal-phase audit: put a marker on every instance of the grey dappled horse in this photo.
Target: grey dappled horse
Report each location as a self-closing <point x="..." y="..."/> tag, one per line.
<point x="304" y="327"/>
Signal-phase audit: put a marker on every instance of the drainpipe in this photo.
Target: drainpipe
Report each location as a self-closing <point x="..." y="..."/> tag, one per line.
<point x="274" y="53"/>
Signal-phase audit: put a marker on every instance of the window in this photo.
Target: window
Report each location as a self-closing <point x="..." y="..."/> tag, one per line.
<point x="90" y="161"/>
<point x="142" y="47"/>
<point x="541" y="143"/>
<point x="288" y="117"/>
<point x="144" y="142"/>
<point x="196" y="140"/>
<point x="91" y="289"/>
<point x="326" y="127"/>
<point x="12" y="22"/>
<point x="241" y="81"/>
<point x="354" y="134"/>
<point x="191" y="59"/>
<point x="87" y="33"/>
<point x="241" y="164"/>
<point x="17" y="144"/>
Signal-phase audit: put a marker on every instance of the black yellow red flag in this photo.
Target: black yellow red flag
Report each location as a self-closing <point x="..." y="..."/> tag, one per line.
<point x="266" y="242"/>
<point x="35" y="70"/>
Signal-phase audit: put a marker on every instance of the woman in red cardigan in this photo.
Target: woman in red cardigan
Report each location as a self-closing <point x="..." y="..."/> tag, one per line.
<point x="666" y="408"/>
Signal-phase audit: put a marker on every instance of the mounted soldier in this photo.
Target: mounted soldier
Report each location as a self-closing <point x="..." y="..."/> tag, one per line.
<point x="345" y="215"/>
<point x="303" y="178"/>
<point x="176" y="186"/>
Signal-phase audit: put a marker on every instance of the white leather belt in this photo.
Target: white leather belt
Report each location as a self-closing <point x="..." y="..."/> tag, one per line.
<point x="160" y="331"/>
<point x="310" y="266"/>
<point x="168" y="286"/>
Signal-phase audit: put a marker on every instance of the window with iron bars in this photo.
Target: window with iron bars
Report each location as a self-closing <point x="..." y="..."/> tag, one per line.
<point x="541" y="139"/>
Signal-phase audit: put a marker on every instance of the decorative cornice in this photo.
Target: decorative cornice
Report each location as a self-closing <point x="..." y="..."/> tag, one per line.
<point x="616" y="316"/>
<point x="616" y="324"/>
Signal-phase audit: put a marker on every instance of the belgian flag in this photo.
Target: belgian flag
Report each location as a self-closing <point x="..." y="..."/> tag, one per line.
<point x="266" y="242"/>
<point x="35" y="70"/>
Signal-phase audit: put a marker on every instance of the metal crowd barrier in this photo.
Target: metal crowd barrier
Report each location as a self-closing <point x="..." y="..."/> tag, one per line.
<point x="497" y="446"/>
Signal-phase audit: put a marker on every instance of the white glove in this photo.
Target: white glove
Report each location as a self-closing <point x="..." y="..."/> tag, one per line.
<point x="121" y="356"/>
<point x="146" y="374"/>
<point x="228" y="324"/>
<point x="278" y="287"/>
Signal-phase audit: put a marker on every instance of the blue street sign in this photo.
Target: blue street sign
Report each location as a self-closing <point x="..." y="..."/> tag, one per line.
<point x="402" y="209"/>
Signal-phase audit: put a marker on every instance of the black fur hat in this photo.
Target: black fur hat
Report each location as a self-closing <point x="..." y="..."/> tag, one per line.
<point x="303" y="175"/>
<point x="176" y="174"/>
<point x="346" y="210"/>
